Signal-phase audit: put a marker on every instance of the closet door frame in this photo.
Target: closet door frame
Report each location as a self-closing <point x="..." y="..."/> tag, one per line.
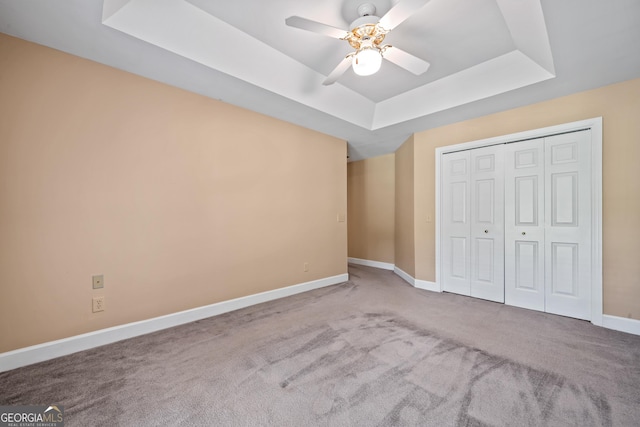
<point x="595" y="125"/>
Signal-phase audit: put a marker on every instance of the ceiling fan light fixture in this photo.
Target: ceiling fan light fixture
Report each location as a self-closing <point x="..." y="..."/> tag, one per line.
<point x="366" y="35"/>
<point x="367" y="61"/>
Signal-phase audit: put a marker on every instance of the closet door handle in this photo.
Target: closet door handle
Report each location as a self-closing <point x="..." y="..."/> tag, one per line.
<point x="523" y="233"/>
<point x="486" y="231"/>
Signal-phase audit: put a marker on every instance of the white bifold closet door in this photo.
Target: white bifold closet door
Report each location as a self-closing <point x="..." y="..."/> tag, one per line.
<point x="473" y="223"/>
<point x="548" y="224"/>
<point x="524" y="224"/>
<point x="456" y="248"/>
<point x="568" y="224"/>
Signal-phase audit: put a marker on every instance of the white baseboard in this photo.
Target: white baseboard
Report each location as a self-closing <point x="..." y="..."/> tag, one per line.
<point x="405" y="276"/>
<point x="369" y="263"/>
<point x="630" y="326"/>
<point x="427" y="285"/>
<point x="50" y="350"/>
<point x="417" y="283"/>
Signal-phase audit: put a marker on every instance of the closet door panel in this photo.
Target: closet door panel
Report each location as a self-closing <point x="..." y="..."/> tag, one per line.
<point x="568" y="224"/>
<point x="487" y="223"/>
<point x="524" y="224"/>
<point x="456" y="249"/>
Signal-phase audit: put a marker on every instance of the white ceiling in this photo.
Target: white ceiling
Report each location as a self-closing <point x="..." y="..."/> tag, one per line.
<point x="485" y="55"/>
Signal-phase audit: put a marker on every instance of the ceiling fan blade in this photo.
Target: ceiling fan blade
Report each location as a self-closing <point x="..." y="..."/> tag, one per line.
<point x="401" y="11"/>
<point x="316" y="27"/>
<point x="405" y="60"/>
<point x="338" y="71"/>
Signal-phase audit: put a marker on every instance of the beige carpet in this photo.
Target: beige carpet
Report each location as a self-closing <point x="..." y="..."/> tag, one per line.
<point x="372" y="351"/>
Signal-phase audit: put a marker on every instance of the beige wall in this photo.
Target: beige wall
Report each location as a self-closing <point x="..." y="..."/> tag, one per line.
<point x="619" y="105"/>
<point x="371" y="208"/>
<point x="404" y="219"/>
<point x="179" y="200"/>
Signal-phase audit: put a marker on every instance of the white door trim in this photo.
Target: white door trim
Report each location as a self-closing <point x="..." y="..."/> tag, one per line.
<point x="595" y="124"/>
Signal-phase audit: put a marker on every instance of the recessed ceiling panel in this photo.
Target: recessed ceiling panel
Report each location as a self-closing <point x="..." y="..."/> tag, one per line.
<point x="451" y="35"/>
<point x="477" y="48"/>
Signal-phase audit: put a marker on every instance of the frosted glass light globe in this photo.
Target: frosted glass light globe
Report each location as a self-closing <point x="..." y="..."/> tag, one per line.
<point x="367" y="61"/>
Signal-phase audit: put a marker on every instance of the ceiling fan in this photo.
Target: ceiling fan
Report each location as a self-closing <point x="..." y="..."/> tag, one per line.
<point x="366" y="35"/>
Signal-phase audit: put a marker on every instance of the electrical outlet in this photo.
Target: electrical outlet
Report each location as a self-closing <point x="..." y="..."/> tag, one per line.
<point x="306" y="266"/>
<point x="98" y="281"/>
<point x="98" y="304"/>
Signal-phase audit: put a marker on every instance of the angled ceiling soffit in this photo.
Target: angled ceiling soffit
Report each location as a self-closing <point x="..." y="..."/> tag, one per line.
<point x="186" y="30"/>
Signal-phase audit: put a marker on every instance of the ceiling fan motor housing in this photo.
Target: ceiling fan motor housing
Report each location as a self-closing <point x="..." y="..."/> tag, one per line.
<point x="365" y="28"/>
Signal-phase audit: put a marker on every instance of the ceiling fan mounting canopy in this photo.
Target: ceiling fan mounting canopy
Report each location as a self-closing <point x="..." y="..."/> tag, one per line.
<point x="366" y="9"/>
